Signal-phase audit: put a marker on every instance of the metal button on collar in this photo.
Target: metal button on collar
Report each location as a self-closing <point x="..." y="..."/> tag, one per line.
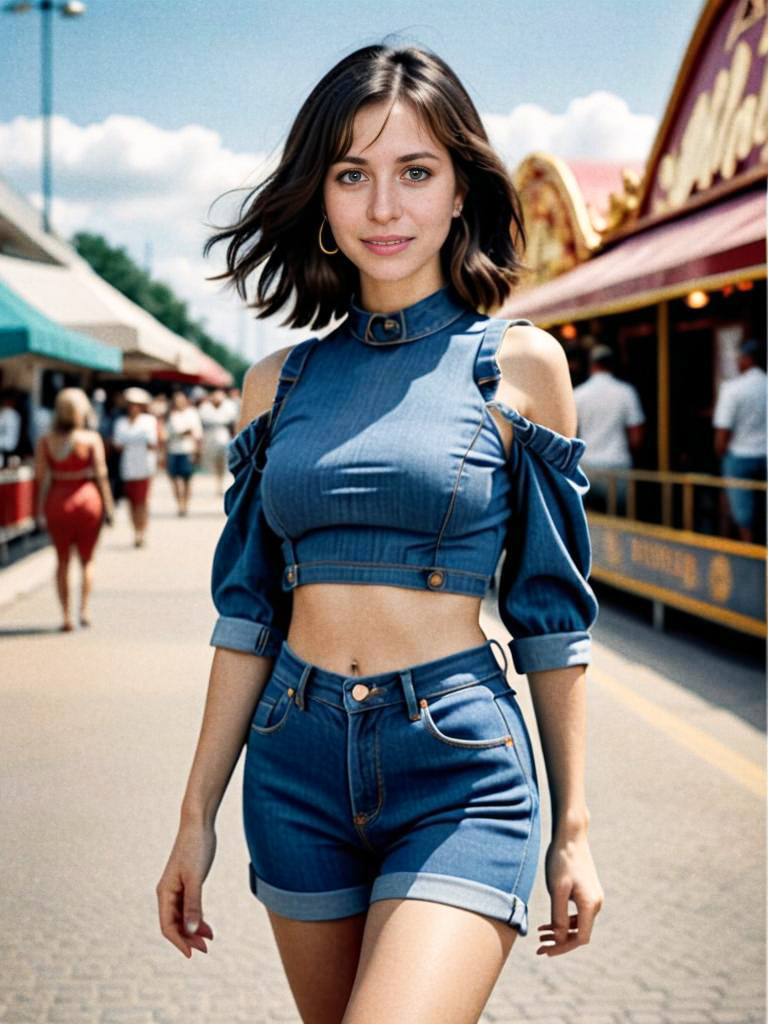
<point x="290" y="575"/>
<point x="360" y="691"/>
<point x="436" y="579"/>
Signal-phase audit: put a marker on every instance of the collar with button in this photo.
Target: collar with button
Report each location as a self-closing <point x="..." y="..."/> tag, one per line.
<point x="419" y="320"/>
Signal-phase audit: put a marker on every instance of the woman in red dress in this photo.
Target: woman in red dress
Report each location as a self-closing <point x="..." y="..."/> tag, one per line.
<point x="73" y="493"/>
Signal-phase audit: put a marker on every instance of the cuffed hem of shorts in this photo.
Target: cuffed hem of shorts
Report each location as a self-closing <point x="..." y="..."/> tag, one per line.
<point x="310" y="906"/>
<point x="245" y="635"/>
<point x="551" y="650"/>
<point x="458" y="892"/>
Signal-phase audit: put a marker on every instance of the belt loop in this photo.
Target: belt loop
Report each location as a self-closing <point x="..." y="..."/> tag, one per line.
<point x="493" y="640"/>
<point x="410" y="696"/>
<point x="299" y="698"/>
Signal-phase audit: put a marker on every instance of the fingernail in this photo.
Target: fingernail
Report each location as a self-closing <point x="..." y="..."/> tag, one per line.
<point x="192" y="925"/>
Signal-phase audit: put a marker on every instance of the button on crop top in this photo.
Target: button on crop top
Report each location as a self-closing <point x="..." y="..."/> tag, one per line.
<point x="379" y="462"/>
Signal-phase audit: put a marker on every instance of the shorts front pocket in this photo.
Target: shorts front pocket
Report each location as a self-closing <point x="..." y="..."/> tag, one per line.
<point x="466" y="718"/>
<point x="271" y="714"/>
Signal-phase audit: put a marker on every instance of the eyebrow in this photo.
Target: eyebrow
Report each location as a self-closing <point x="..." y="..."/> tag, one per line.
<point x="401" y="159"/>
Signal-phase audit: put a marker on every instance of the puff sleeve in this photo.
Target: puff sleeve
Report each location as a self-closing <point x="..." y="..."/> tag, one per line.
<point x="544" y="598"/>
<point x="254" y="611"/>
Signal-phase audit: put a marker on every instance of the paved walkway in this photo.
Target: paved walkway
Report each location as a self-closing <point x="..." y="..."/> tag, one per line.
<point x="98" y="728"/>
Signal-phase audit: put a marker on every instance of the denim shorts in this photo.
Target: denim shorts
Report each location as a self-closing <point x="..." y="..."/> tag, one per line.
<point x="418" y="783"/>
<point x="744" y="502"/>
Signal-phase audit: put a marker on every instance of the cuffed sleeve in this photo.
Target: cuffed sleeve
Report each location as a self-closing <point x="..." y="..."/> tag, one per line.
<point x="254" y="611"/>
<point x="544" y="598"/>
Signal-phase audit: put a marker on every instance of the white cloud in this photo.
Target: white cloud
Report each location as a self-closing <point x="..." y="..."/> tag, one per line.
<point x="150" y="189"/>
<point x="596" y="127"/>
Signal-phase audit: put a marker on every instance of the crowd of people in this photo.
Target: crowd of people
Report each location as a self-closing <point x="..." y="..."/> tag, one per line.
<point x="97" y="450"/>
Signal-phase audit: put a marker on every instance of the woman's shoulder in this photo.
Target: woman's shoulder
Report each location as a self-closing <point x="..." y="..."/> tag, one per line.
<point x="534" y="365"/>
<point x="260" y="384"/>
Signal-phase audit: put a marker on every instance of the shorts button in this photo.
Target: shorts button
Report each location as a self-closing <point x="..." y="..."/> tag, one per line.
<point x="436" y="579"/>
<point x="360" y="691"/>
<point x="389" y="325"/>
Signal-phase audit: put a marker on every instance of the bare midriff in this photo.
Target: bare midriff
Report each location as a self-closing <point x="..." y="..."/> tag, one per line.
<point x="365" y="629"/>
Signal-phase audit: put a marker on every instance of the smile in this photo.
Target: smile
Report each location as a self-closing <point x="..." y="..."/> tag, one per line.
<point x="386" y="245"/>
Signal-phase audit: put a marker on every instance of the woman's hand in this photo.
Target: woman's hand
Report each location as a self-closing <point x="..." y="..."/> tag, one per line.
<point x="571" y="875"/>
<point x="179" y="891"/>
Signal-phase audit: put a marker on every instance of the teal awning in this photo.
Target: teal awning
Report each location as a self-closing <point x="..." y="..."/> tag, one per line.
<point x="24" y="330"/>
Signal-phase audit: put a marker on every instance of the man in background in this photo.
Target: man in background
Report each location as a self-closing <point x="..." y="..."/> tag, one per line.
<point x="739" y="420"/>
<point x="611" y="422"/>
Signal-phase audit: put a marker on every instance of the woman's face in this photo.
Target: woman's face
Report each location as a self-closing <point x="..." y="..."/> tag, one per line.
<point x="389" y="204"/>
<point x="179" y="400"/>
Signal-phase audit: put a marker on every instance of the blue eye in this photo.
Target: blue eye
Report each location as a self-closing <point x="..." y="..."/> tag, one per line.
<point x="344" y="179"/>
<point x="420" y="171"/>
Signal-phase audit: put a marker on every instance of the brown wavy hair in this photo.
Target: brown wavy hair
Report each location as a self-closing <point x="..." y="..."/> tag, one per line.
<point x="280" y="218"/>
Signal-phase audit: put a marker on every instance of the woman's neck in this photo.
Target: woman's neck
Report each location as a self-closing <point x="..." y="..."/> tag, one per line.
<point x="387" y="296"/>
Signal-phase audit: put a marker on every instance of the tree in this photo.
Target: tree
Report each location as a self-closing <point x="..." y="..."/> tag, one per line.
<point x="118" y="268"/>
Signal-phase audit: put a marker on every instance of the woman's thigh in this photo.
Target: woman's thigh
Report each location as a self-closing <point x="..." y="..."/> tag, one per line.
<point x="424" y="962"/>
<point x="320" y="961"/>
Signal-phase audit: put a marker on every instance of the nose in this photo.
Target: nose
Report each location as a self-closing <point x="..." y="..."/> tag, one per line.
<point x="384" y="205"/>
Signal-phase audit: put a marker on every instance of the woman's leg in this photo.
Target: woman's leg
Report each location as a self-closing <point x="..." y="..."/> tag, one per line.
<point x="427" y="963"/>
<point x="140" y="516"/>
<point x="176" y="483"/>
<point x="320" y="961"/>
<point x="62" y="587"/>
<point x="85" y="592"/>
<point x="185" y="482"/>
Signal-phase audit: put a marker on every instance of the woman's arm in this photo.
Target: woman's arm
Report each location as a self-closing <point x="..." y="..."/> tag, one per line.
<point x="235" y="684"/>
<point x="560" y="702"/>
<point x="42" y="480"/>
<point x="102" y="477"/>
<point x="535" y="364"/>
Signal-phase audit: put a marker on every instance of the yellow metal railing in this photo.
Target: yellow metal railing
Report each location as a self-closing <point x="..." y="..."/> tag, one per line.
<point x="666" y="480"/>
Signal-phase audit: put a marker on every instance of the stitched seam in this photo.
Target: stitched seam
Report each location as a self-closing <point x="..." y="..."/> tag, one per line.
<point x="393" y="565"/>
<point x="293" y="381"/>
<point x="454" y="495"/>
<point x="491" y="356"/>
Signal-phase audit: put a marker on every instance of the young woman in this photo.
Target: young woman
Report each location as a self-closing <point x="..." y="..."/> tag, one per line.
<point x="73" y="493"/>
<point x="137" y="439"/>
<point x="391" y="803"/>
<point x="184" y="438"/>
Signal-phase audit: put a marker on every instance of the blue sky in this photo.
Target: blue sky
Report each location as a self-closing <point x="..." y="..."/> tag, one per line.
<point x="208" y="89"/>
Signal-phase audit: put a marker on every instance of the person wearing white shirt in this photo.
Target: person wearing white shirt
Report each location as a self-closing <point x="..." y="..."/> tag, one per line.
<point x="136" y="437"/>
<point x="610" y="422"/>
<point x="183" y="444"/>
<point x="218" y="415"/>
<point x="10" y="427"/>
<point x="739" y="420"/>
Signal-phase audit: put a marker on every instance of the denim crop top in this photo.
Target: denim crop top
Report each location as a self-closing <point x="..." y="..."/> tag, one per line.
<point x="379" y="462"/>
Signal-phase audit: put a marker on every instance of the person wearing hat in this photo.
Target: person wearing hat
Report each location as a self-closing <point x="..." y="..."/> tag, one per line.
<point x="136" y="438"/>
<point x="610" y="422"/>
<point x="739" y="420"/>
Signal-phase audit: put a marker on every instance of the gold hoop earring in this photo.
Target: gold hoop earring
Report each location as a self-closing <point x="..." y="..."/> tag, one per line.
<point x="328" y="252"/>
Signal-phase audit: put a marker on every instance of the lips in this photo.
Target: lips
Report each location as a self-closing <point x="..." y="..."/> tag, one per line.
<point x="388" y="239"/>
<point x="387" y="244"/>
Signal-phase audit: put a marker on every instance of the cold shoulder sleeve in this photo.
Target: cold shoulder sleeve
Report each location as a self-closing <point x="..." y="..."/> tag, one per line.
<point x="544" y="598"/>
<point x="254" y="611"/>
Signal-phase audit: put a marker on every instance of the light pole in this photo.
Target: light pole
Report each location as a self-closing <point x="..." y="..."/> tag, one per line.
<point x="70" y="9"/>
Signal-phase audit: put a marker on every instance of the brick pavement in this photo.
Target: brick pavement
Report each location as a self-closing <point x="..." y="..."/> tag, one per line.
<point x="97" y="729"/>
